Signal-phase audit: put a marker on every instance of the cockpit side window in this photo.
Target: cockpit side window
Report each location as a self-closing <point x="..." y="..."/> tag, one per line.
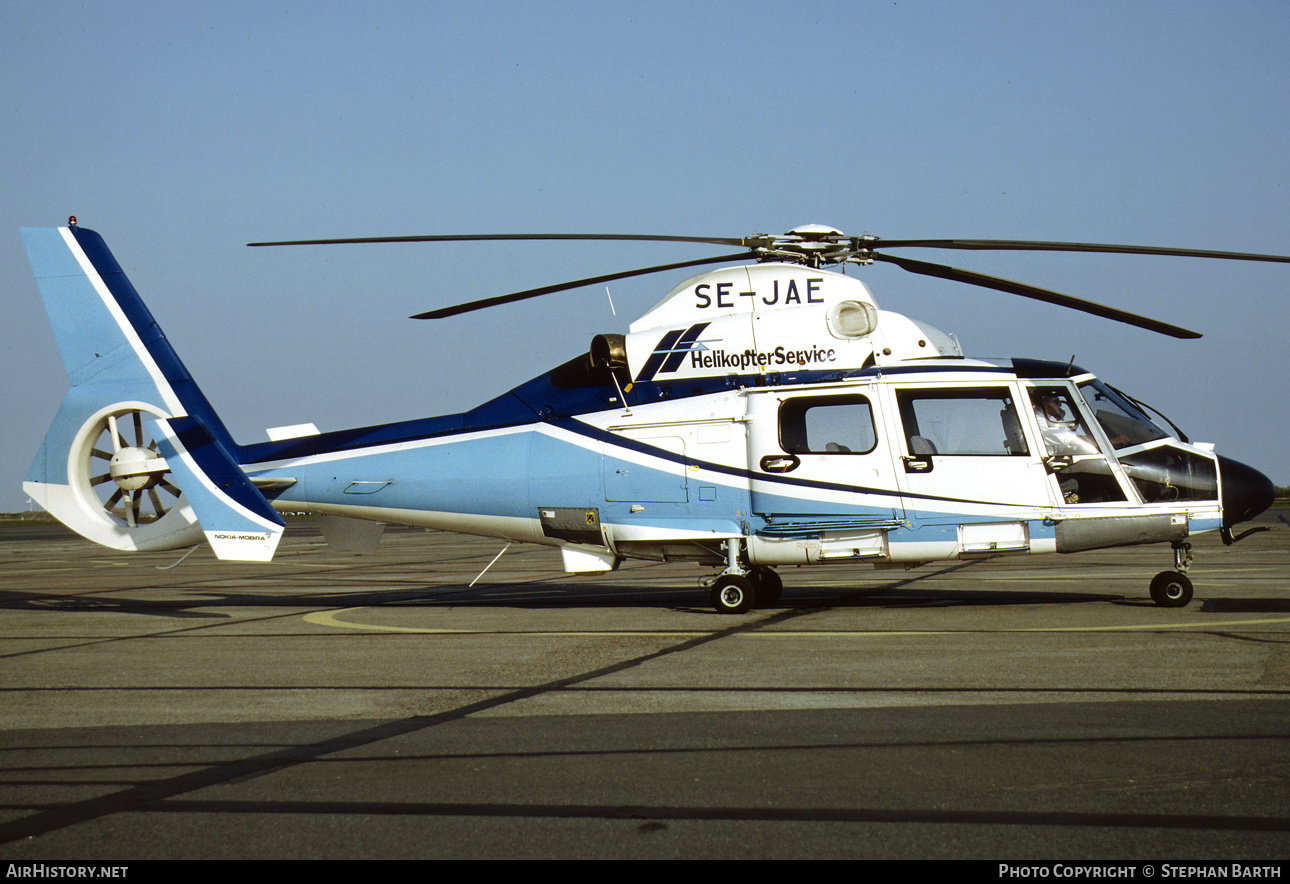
<point x="1082" y="471"/>
<point x="1060" y="424"/>
<point x="827" y="425"/>
<point x="961" y="422"/>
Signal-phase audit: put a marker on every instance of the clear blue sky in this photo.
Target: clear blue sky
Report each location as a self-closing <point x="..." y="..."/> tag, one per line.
<point x="181" y="131"/>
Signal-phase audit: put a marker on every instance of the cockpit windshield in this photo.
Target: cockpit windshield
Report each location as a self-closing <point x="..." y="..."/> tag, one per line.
<point x="1124" y="423"/>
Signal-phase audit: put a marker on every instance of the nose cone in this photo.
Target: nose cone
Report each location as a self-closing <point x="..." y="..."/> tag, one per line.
<point x="1245" y="491"/>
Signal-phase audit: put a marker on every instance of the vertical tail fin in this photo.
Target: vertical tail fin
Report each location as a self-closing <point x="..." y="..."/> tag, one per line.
<point x="133" y="421"/>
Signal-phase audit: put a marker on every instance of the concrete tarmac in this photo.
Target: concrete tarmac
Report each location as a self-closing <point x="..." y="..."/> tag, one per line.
<point x="345" y="706"/>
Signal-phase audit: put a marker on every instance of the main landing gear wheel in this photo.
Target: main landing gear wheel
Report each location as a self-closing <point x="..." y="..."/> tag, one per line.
<point x="732" y="594"/>
<point x="768" y="585"/>
<point x="1171" y="589"/>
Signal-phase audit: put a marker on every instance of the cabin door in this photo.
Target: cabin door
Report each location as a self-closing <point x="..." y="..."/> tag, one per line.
<point x="820" y="461"/>
<point x="964" y="455"/>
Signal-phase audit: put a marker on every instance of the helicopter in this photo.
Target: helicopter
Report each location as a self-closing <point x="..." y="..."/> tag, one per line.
<point x="757" y="416"/>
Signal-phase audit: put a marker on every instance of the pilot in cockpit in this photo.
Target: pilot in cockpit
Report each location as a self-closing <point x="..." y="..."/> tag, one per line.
<point x="1062" y="429"/>
<point x="1086" y="475"/>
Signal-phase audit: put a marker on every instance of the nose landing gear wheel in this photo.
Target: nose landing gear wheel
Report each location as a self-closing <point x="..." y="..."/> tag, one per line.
<point x="732" y="594"/>
<point x="1171" y="589"/>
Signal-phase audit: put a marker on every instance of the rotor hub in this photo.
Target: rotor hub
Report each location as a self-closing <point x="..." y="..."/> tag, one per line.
<point x="812" y="244"/>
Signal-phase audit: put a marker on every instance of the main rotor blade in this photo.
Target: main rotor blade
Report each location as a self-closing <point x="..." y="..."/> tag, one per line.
<point x="749" y="242"/>
<point x="564" y="286"/>
<point x="954" y="274"/>
<point x="1020" y="245"/>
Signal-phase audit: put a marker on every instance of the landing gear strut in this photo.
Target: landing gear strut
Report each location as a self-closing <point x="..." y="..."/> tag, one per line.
<point x="1172" y="589"/>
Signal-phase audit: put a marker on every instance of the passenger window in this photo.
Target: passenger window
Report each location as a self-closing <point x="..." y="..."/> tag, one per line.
<point x="959" y="422"/>
<point x="827" y="425"/>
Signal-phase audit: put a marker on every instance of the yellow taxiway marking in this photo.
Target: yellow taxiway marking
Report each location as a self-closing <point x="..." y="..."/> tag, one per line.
<point x="332" y="619"/>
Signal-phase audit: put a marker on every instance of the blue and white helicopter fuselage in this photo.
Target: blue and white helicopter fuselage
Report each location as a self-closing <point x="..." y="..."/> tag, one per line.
<point x="757" y="416"/>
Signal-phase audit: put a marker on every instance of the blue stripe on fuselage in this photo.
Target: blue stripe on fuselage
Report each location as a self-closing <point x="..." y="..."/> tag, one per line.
<point x="455" y="425"/>
<point x="535" y="401"/>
